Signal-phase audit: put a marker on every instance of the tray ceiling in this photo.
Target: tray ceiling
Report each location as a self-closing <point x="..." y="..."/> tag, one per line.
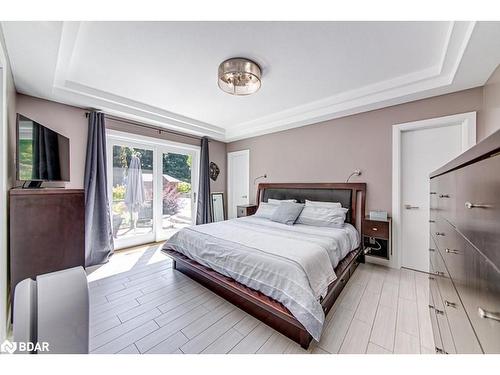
<point x="165" y="73"/>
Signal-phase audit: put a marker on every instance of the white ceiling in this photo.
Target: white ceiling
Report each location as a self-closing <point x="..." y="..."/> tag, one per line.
<point x="165" y="73"/>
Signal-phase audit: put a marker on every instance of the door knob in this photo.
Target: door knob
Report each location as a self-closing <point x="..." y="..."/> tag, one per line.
<point x="410" y="207"/>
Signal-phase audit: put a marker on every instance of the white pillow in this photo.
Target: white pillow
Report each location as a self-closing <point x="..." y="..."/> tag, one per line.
<point x="279" y="201"/>
<point x="323" y="204"/>
<point x="322" y="216"/>
<point x="266" y="210"/>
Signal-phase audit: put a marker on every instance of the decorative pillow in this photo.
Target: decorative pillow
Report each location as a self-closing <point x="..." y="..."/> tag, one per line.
<point x="323" y="204"/>
<point x="287" y="212"/>
<point x="266" y="210"/>
<point x="323" y="216"/>
<point x="279" y="201"/>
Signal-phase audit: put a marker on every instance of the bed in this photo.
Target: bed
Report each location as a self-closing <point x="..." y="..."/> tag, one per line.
<point x="286" y="276"/>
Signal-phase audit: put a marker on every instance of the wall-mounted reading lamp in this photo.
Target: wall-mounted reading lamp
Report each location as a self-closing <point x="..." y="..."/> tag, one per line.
<point x="356" y="172"/>
<point x="258" y="178"/>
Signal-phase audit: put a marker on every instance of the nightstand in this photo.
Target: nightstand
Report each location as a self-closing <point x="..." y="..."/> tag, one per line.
<point x="376" y="237"/>
<point x="246" y="210"/>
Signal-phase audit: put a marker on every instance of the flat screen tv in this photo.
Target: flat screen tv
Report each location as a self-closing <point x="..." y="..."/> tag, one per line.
<point x="42" y="154"/>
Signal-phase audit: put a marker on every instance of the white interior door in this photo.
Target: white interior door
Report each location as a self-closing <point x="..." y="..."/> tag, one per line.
<point x="238" y="177"/>
<point x="422" y="152"/>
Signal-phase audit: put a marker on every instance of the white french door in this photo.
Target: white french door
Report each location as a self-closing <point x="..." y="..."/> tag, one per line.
<point x="177" y="169"/>
<point x="167" y="189"/>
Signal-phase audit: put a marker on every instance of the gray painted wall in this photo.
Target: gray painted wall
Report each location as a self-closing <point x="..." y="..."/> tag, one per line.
<point x="329" y="151"/>
<point x="489" y="119"/>
<point x="7" y="112"/>
<point x="72" y="123"/>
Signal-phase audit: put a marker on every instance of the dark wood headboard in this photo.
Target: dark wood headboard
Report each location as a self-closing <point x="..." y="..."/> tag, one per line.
<point x="350" y="195"/>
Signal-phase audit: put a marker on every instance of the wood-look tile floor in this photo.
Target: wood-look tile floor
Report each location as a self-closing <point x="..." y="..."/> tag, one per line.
<point x="139" y="304"/>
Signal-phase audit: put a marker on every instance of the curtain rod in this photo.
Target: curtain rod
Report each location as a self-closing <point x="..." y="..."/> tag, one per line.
<point x="151" y="127"/>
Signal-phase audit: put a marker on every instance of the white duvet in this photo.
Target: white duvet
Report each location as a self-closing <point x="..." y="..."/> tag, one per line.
<point x="293" y="264"/>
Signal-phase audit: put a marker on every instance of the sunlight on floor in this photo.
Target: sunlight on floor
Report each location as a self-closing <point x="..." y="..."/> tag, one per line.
<point x="125" y="260"/>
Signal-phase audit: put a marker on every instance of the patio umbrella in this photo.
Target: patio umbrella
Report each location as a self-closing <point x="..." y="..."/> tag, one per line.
<point x="134" y="193"/>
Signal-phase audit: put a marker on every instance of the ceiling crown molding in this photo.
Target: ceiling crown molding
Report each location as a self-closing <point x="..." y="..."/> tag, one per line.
<point x="115" y="104"/>
<point x="389" y="92"/>
<point x="369" y="97"/>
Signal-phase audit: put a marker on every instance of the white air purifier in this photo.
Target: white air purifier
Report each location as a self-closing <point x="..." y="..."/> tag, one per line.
<point x="51" y="314"/>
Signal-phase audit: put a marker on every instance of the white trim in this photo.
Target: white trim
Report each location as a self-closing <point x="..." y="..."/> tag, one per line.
<point x="411" y="86"/>
<point x="3" y="193"/>
<point x="230" y="156"/>
<point x="131" y="137"/>
<point x="378" y="95"/>
<point x="115" y="104"/>
<point x="158" y="146"/>
<point x="468" y="123"/>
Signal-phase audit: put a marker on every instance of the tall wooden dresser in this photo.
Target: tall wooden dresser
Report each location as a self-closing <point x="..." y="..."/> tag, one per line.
<point x="464" y="251"/>
<point x="47" y="232"/>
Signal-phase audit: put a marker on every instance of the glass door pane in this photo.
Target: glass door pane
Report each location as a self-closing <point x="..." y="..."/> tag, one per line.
<point x="177" y="192"/>
<point x="132" y="192"/>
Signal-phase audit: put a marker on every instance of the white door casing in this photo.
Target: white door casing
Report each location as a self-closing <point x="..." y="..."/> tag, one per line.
<point x="419" y="148"/>
<point x="3" y="198"/>
<point x="238" y="170"/>
<point x="159" y="147"/>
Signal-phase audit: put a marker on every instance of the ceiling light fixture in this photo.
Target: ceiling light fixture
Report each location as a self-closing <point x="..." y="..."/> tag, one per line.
<point x="239" y="76"/>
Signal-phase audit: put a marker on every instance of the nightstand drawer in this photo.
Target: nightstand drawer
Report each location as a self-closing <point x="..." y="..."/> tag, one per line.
<point x="374" y="228"/>
<point x="247" y="210"/>
<point x="241" y="211"/>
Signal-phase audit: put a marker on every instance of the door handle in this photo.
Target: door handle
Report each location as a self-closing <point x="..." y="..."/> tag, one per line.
<point x="244" y="196"/>
<point x="410" y="207"/>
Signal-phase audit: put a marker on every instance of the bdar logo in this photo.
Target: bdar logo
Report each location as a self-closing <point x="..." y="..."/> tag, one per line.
<point x="8" y="347"/>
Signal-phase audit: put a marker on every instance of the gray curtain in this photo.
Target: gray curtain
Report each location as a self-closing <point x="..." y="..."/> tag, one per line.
<point x="204" y="214"/>
<point x="98" y="230"/>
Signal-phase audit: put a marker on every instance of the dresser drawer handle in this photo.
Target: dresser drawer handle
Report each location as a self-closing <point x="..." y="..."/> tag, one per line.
<point x="451" y="251"/>
<point x="432" y="221"/>
<point x="439" y="234"/>
<point x="432" y="250"/>
<point x="440" y="351"/>
<point x="450" y="304"/>
<point x="431" y="307"/>
<point x="439" y="273"/>
<point x="440" y="312"/>
<point x="374" y="229"/>
<point x="488" y="314"/>
<point x="410" y="207"/>
<point x="470" y="205"/>
<point x="432" y="192"/>
<point x="444" y="195"/>
<point x="431" y="278"/>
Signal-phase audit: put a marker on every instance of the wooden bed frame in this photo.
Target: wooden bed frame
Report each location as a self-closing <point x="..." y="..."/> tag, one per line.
<point x="259" y="305"/>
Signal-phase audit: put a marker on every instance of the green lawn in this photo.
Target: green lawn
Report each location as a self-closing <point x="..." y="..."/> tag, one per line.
<point x="25" y="159"/>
